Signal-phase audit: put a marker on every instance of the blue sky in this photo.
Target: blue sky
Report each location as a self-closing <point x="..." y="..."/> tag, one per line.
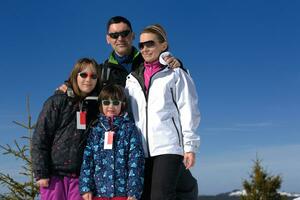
<point x="243" y="56"/>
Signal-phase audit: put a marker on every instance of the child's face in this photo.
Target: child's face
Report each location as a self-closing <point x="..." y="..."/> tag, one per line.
<point x="87" y="79"/>
<point x="111" y="107"/>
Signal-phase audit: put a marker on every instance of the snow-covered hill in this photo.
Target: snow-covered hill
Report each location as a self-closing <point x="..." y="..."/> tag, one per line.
<point x="243" y="192"/>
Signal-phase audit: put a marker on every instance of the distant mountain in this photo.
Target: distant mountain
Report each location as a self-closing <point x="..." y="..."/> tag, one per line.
<point x="218" y="197"/>
<point x="287" y="194"/>
<point x="235" y="195"/>
<point x="222" y="196"/>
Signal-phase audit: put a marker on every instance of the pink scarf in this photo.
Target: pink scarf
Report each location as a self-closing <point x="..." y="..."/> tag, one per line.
<point x="150" y="70"/>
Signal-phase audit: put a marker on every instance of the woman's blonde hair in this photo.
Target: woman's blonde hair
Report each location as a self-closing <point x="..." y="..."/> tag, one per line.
<point x="158" y="30"/>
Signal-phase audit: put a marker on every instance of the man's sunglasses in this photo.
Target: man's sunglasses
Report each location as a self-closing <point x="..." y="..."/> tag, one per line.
<point x="85" y="75"/>
<point x="147" y="44"/>
<point x="117" y="34"/>
<point x="113" y="102"/>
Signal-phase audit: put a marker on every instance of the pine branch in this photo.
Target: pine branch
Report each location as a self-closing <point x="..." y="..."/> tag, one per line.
<point x="10" y="150"/>
<point x="13" y="185"/>
<point x="18" y="190"/>
<point x="7" y="197"/>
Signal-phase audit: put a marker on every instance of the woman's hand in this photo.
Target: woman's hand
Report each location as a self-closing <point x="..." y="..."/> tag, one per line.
<point x="189" y="160"/>
<point x="43" y="182"/>
<point x="87" y="196"/>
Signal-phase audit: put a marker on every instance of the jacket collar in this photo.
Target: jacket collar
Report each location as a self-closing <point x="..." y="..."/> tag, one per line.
<point x="134" y="54"/>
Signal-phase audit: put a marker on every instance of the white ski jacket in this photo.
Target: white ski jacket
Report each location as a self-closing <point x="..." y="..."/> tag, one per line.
<point x="168" y="116"/>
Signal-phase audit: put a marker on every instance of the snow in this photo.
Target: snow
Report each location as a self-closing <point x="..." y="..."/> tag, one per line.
<point x="238" y="193"/>
<point x="243" y="192"/>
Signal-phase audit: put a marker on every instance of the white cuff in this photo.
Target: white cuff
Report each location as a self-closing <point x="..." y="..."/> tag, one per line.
<point x="162" y="55"/>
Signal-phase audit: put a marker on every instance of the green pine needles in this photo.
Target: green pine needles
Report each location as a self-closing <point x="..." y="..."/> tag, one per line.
<point x="20" y="190"/>
<point x="262" y="186"/>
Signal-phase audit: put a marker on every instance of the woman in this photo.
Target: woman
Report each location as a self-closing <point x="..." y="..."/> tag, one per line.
<point x="60" y="134"/>
<point x="164" y="104"/>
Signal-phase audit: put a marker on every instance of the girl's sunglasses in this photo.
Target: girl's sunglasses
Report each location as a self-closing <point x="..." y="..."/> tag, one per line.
<point x="113" y="102"/>
<point x="147" y="44"/>
<point x="85" y="75"/>
<point x="123" y="34"/>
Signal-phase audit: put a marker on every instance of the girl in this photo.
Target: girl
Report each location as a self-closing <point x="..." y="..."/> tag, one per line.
<point x="113" y="162"/>
<point x="60" y="137"/>
<point x="165" y="108"/>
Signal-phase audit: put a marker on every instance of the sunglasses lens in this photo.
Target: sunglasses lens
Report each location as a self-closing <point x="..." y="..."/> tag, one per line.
<point x="83" y="75"/>
<point x="141" y="45"/>
<point x="124" y="33"/>
<point x="94" y="76"/>
<point x="114" y="35"/>
<point x="105" y="102"/>
<point x="147" y="44"/>
<point x="116" y="102"/>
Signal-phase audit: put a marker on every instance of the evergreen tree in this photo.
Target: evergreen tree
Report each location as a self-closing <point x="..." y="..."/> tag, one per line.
<point x="261" y="185"/>
<point x="20" y="190"/>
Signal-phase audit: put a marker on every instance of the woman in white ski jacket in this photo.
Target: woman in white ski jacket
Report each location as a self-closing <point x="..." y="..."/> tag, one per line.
<point x="164" y="104"/>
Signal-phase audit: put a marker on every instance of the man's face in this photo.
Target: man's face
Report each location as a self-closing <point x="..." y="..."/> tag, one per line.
<point x="120" y="38"/>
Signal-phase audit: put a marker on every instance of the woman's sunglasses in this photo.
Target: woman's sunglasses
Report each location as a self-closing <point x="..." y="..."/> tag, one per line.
<point x="147" y="44"/>
<point x="116" y="35"/>
<point x="85" y="75"/>
<point x="113" y="102"/>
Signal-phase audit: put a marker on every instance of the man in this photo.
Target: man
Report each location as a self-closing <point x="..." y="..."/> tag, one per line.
<point x="124" y="57"/>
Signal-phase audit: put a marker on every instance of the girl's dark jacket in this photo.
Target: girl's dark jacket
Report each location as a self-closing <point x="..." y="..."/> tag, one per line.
<point x="57" y="144"/>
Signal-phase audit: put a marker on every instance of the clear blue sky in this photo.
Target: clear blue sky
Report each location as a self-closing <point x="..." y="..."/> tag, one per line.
<point x="244" y="57"/>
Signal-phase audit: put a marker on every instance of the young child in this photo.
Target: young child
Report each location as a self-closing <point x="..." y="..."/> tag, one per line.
<point x="113" y="161"/>
<point x="60" y="137"/>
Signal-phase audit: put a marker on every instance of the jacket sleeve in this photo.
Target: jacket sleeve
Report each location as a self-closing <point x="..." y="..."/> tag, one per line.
<point x="187" y="102"/>
<point x="86" y="180"/>
<point x="43" y="137"/>
<point x="136" y="164"/>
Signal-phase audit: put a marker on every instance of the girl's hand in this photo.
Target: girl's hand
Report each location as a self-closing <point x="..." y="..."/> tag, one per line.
<point x="87" y="196"/>
<point x="43" y="182"/>
<point x="189" y="159"/>
<point x="131" y="198"/>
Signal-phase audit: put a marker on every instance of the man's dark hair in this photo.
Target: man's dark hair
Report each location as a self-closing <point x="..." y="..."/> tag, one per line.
<point x="116" y="20"/>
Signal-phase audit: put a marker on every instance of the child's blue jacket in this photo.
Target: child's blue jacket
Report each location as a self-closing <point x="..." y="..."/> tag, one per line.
<point x="118" y="171"/>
